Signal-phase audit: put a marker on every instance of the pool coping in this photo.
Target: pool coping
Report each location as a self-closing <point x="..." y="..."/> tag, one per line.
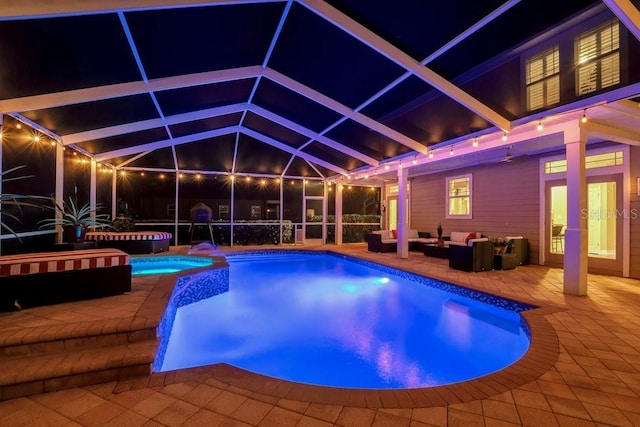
<point x="541" y="356"/>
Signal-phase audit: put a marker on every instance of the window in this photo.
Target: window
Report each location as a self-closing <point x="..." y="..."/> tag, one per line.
<point x="543" y="79"/>
<point x="598" y="58"/>
<point x="613" y="158"/>
<point x="459" y="197"/>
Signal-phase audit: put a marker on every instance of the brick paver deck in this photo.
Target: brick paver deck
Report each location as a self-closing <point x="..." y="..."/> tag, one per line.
<point x="583" y="368"/>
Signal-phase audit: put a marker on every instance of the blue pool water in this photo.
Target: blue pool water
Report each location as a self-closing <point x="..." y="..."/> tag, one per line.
<point x="167" y="264"/>
<point x="331" y="320"/>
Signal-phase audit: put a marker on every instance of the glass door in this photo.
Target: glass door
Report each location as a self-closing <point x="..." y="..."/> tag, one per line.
<point x="604" y="223"/>
<point x="313" y="220"/>
<point x="392" y="213"/>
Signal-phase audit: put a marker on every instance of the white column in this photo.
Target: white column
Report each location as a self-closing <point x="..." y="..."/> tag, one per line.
<point x="176" y="214"/>
<point x="403" y="227"/>
<point x="576" y="238"/>
<point x="1" y="145"/>
<point x="93" y="188"/>
<point x="114" y="191"/>
<point x="325" y="211"/>
<point x="59" y="187"/>
<point x="339" y="188"/>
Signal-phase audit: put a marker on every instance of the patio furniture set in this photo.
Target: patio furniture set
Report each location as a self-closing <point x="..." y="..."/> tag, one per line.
<point x="466" y="251"/>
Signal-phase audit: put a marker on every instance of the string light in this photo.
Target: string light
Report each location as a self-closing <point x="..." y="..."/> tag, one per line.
<point x="386" y="167"/>
<point x="504" y="136"/>
<point x="539" y="127"/>
<point x="451" y="151"/>
<point x="431" y="154"/>
<point x="475" y="142"/>
<point x="415" y="160"/>
<point x="584" y="116"/>
<point x="36" y="138"/>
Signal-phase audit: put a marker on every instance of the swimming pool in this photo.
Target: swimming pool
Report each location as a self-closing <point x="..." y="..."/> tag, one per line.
<point x="327" y="319"/>
<point x="167" y="264"/>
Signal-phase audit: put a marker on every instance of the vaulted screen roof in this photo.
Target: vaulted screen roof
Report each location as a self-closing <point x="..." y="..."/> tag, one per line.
<point x="298" y="88"/>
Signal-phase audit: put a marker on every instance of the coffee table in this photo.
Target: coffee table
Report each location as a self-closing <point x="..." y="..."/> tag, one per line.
<point x="436" y="251"/>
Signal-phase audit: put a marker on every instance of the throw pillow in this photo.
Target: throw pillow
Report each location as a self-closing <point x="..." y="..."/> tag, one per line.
<point x="469" y="237"/>
<point x="395" y="233"/>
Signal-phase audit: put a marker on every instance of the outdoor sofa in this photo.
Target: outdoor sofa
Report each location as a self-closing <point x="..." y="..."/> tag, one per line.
<point x="43" y="278"/>
<point x="132" y="242"/>
<point x="476" y="255"/>
<point x="387" y="241"/>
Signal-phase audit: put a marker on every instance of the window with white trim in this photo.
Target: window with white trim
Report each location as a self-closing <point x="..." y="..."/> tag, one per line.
<point x="593" y="161"/>
<point x="543" y="79"/>
<point x="459" y="197"/>
<point x="598" y="58"/>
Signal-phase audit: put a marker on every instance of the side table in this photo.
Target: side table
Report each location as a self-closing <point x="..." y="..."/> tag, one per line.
<point x="504" y="261"/>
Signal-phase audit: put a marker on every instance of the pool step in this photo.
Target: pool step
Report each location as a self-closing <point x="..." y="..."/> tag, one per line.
<point x="55" y="359"/>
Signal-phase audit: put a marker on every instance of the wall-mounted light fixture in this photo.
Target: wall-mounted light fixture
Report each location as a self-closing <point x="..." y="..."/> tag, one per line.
<point x="638" y="186"/>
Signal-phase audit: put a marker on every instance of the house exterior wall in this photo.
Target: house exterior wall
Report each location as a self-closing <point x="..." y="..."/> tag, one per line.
<point x="500" y="84"/>
<point x="505" y="202"/>
<point x="634" y="270"/>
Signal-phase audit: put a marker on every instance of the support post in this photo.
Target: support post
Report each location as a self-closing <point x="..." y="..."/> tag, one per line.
<point x="403" y="226"/>
<point x="339" y="188"/>
<point x="93" y="189"/>
<point x="576" y="237"/>
<point x="59" y="189"/>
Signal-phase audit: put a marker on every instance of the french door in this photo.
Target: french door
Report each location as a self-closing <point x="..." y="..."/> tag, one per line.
<point x="604" y="215"/>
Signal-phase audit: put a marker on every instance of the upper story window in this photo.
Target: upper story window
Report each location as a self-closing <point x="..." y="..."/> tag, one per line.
<point x="543" y="79"/>
<point x="598" y="58"/>
<point x="459" y="197"/>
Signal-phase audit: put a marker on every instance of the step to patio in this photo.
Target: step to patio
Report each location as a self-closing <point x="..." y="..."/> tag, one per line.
<point x="52" y="359"/>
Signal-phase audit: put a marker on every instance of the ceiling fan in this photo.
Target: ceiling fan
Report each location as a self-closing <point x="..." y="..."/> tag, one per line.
<point x="508" y="157"/>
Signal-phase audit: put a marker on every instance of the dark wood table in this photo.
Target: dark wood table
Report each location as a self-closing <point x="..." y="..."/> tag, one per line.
<point x="504" y="261"/>
<point x="436" y="251"/>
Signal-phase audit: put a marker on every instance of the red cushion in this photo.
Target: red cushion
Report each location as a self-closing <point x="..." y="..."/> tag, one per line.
<point x="395" y="233"/>
<point x="469" y="237"/>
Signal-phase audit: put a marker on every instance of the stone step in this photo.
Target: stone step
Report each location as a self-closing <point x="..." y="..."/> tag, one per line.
<point x="41" y="373"/>
<point x="71" y="336"/>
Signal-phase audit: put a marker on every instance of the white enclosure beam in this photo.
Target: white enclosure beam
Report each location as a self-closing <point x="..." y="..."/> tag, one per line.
<point x="394" y="54"/>
<point x="91" y="135"/>
<point x="284" y="147"/>
<point x="27" y="9"/>
<point x="311" y="134"/>
<point x="343" y="109"/>
<point x="612" y="133"/>
<point x="77" y="96"/>
<point x="166" y="143"/>
<point x="627" y="13"/>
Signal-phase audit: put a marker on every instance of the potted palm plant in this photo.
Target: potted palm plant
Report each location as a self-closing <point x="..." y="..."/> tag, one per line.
<point x="75" y="219"/>
<point x="13" y="200"/>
